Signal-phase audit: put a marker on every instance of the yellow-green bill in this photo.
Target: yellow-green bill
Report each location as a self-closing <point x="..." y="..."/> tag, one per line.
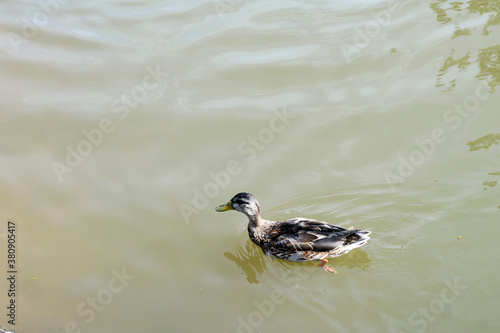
<point x="224" y="207"/>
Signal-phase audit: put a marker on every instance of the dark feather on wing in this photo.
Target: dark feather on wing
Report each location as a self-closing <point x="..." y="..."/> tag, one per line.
<point x="311" y="235"/>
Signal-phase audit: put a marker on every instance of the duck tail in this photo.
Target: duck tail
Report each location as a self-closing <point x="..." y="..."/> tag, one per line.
<point x="363" y="237"/>
<point x="357" y="239"/>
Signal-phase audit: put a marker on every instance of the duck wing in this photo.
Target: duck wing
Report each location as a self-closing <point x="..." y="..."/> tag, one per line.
<point x="301" y="234"/>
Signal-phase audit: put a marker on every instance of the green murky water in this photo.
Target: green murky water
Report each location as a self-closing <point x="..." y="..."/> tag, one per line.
<point x="125" y="123"/>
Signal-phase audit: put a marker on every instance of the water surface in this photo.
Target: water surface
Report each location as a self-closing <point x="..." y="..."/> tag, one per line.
<point x="125" y="123"/>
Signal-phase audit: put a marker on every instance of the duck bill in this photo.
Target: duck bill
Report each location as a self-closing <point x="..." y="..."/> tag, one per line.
<point x="225" y="207"/>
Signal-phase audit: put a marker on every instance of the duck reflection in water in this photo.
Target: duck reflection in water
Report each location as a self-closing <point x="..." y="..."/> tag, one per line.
<point x="252" y="261"/>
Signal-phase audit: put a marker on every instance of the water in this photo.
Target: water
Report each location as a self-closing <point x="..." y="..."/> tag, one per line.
<point x="125" y="123"/>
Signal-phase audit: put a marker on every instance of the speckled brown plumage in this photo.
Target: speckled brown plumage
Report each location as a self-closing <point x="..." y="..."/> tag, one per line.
<point x="297" y="239"/>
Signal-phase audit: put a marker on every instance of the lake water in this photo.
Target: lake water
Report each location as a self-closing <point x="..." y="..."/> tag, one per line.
<point x="125" y="123"/>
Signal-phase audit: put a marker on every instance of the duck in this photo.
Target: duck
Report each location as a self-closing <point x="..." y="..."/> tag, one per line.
<point x="296" y="239"/>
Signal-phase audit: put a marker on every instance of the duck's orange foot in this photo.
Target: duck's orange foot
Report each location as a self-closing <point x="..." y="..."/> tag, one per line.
<point x="323" y="264"/>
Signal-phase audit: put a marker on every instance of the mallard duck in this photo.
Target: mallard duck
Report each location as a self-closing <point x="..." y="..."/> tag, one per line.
<point x="297" y="239"/>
